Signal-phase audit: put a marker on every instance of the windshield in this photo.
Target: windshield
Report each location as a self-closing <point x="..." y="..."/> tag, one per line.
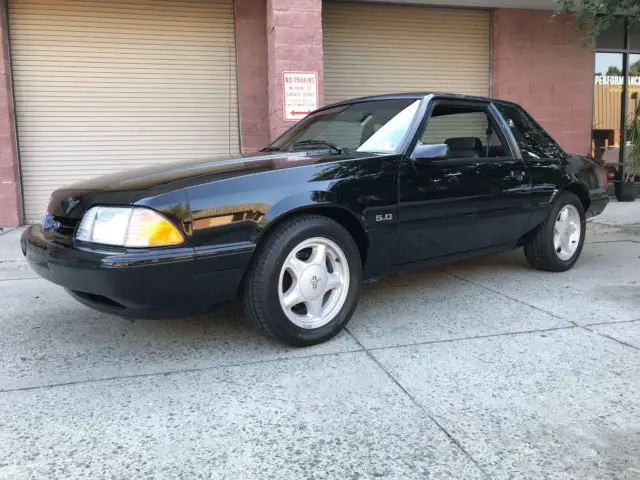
<point x="373" y="126"/>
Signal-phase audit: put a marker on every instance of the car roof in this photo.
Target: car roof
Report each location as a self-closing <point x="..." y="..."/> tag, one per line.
<point x="416" y="96"/>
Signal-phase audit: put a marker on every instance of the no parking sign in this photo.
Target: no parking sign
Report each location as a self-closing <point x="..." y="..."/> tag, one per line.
<point x="300" y="94"/>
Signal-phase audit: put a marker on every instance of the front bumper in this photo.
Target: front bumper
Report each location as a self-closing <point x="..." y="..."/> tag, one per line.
<point x="142" y="283"/>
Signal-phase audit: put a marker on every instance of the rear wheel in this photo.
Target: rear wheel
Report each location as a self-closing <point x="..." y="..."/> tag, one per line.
<point x="303" y="285"/>
<point x="557" y="243"/>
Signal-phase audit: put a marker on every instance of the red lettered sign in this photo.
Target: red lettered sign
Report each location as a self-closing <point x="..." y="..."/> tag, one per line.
<point x="300" y="94"/>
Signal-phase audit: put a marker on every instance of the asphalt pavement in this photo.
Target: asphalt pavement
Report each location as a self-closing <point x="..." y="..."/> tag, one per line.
<point x="482" y="369"/>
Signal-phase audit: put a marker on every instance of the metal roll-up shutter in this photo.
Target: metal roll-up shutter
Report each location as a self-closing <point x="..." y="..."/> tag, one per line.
<point x="373" y="49"/>
<point x="105" y="86"/>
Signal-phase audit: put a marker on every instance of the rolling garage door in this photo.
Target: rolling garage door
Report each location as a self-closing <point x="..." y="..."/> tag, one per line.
<point x="105" y="86"/>
<point x="372" y="49"/>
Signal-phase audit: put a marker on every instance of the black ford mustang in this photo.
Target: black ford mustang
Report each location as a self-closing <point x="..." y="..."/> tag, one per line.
<point x="356" y="190"/>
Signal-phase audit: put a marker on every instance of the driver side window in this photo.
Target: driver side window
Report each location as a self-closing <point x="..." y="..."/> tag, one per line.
<point x="467" y="130"/>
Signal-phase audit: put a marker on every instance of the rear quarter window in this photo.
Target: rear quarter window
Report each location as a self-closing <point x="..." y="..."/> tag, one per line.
<point x="534" y="142"/>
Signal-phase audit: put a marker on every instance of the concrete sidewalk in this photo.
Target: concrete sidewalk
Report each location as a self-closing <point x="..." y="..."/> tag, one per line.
<point x="620" y="214"/>
<point x="484" y="369"/>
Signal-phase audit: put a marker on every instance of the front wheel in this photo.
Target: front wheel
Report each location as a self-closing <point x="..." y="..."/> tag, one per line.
<point x="557" y="243"/>
<point x="303" y="286"/>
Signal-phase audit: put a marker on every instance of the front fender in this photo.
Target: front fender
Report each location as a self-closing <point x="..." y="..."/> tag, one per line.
<point x="299" y="203"/>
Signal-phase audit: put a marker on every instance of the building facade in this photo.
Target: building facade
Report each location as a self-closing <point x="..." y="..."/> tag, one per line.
<point x="91" y="87"/>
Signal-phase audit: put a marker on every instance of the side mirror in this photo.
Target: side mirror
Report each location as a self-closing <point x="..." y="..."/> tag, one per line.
<point x="429" y="153"/>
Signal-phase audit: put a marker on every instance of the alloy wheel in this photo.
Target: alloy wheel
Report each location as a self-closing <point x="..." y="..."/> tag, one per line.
<point x="313" y="283"/>
<point x="567" y="231"/>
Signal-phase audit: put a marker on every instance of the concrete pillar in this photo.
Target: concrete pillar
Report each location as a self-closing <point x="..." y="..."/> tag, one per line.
<point x="10" y="191"/>
<point x="294" y="40"/>
<point x="539" y="62"/>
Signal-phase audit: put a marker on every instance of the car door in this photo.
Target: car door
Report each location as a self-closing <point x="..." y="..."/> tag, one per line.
<point x="477" y="198"/>
<point x="545" y="159"/>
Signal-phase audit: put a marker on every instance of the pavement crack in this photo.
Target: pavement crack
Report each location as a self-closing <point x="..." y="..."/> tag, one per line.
<point x="621" y="342"/>
<point x="600" y="242"/>
<point x="615" y="225"/>
<point x="609" y="323"/>
<point x="476" y="337"/>
<point x="420" y="406"/>
<point x="18" y="278"/>
<point x="574" y="324"/>
<point x="522" y="302"/>
<point x="179" y="371"/>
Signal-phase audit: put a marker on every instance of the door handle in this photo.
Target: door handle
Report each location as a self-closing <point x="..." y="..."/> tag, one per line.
<point x="517" y="175"/>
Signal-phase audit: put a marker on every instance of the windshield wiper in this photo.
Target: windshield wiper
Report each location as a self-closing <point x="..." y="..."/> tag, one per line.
<point x="319" y="143"/>
<point x="270" y="149"/>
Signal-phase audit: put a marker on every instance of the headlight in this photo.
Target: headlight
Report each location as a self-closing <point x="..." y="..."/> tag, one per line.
<point x="128" y="227"/>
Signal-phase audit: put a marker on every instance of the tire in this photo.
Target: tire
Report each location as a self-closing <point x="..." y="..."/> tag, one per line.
<point x="310" y="322"/>
<point x="540" y="250"/>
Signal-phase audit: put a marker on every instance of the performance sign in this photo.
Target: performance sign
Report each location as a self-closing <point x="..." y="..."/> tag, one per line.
<point x="300" y="94"/>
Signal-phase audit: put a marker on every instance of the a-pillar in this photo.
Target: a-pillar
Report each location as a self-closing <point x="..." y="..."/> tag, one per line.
<point x="294" y="41"/>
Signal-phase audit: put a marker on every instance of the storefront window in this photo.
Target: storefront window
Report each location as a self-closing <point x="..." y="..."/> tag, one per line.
<point x="633" y="88"/>
<point x="616" y="89"/>
<point x="608" y="88"/>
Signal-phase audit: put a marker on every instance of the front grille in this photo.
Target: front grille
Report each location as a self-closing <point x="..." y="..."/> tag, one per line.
<point x="59" y="229"/>
<point x="66" y="226"/>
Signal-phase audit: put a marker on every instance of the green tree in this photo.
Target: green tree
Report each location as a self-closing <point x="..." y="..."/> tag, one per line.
<point x="634" y="68"/>
<point x="614" y="71"/>
<point x="595" y="16"/>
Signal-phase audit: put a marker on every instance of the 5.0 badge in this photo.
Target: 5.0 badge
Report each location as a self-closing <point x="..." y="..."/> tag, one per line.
<point x="387" y="217"/>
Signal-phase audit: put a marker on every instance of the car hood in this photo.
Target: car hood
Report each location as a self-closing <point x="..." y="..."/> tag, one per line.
<point x="140" y="179"/>
<point x="123" y="187"/>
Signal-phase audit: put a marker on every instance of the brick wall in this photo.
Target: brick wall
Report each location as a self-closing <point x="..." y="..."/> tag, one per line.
<point x="294" y="38"/>
<point x="251" y="52"/>
<point x="539" y="62"/>
<point x="10" y="194"/>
